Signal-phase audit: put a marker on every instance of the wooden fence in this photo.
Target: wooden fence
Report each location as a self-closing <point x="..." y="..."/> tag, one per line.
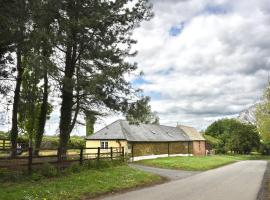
<point x="60" y="158"/>
<point x="5" y="144"/>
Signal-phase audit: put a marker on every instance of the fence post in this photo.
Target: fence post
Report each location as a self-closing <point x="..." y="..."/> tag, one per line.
<point x="188" y="148"/>
<point x="59" y="155"/>
<point x="111" y="153"/>
<point x="132" y="152"/>
<point x="98" y="154"/>
<point x="81" y="156"/>
<point x="4" y="144"/>
<point x="168" y="149"/>
<point x="30" y="159"/>
<point x="123" y="153"/>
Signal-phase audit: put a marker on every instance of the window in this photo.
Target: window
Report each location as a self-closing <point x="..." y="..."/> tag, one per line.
<point x="104" y="144"/>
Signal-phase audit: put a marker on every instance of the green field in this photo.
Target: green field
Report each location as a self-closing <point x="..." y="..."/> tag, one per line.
<point x="87" y="183"/>
<point x="194" y="163"/>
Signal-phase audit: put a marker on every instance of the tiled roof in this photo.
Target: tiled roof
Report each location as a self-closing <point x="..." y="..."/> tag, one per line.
<point x="122" y="130"/>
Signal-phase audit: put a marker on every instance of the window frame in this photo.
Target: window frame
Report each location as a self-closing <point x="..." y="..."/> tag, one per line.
<point x="104" y="144"/>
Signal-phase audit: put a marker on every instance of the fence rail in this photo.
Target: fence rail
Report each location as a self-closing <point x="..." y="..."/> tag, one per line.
<point x="61" y="158"/>
<point x="5" y="144"/>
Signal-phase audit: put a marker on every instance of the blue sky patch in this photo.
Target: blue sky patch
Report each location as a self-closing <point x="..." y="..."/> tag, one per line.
<point x="177" y="29"/>
<point x="154" y="95"/>
<point x="216" y="9"/>
<point x="165" y="71"/>
<point x="139" y="81"/>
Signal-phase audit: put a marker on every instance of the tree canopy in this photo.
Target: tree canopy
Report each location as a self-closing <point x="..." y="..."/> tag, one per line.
<point x="75" y="50"/>
<point x="263" y="118"/>
<point x="234" y="136"/>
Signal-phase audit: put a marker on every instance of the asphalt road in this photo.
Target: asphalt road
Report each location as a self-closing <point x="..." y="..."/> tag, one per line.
<point x="238" y="181"/>
<point x="167" y="173"/>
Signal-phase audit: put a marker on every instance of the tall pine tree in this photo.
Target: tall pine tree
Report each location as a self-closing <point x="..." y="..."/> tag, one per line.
<point x="95" y="38"/>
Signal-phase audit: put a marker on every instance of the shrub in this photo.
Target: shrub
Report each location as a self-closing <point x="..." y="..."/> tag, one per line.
<point x="4" y="135"/>
<point x="48" y="170"/>
<point x="36" y="176"/>
<point x="73" y="168"/>
<point x="233" y="136"/>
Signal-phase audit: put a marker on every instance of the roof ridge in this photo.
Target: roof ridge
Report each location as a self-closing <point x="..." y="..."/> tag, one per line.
<point x="122" y="128"/>
<point x="179" y="125"/>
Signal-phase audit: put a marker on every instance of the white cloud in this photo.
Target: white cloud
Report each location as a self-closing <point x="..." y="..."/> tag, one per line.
<point x="216" y="67"/>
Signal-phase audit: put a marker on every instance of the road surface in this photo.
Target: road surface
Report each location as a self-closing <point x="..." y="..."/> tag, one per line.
<point x="167" y="173"/>
<point x="238" y="181"/>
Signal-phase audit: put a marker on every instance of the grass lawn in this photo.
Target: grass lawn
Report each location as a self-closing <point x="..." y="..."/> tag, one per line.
<point x="194" y="163"/>
<point x="87" y="183"/>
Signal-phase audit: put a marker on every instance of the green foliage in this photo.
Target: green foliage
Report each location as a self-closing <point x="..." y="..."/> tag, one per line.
<point x="140" y="112"/>
<point x="75" y="142"/>
<point x="263" y="120"/>
<point x="4" y="135"/>
<point x="90" y="119"/>
<point x="232" y="135"/>
<point x="93" y="38"/>
<point x="48" y="170"/>
<point x="214" y="142"/>
<point x="52" y="142"/>
<point x="31" y="97"/>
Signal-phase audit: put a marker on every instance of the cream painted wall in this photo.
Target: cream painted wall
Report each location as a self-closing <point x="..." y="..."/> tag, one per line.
<point x="111" y="143"/>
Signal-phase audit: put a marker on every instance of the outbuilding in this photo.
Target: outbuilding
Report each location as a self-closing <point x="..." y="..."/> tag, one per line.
<point x="148" y="140"/>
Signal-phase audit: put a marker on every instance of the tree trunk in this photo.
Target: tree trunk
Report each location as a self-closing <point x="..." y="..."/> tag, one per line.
<point x="42" y="114"/>
<point x="65" y="119"/>
<point x="67" y="101"/>
<point x="77" y="109"/>
<point x="16" y="100"/>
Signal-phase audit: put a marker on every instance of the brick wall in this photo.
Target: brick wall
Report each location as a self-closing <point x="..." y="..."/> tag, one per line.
<point x="199" y="148"/>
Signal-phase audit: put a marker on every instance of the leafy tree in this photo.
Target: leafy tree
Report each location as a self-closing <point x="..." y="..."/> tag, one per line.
<point x="263" y="118"/>
<point x="234" y="136"/>
<point x="31" y="100"/>
<point x="140" y="112"/>
<point x="6" y="46"/>
<point x="243" y="139"/>
<point x="25" y="30"/>
<point x="90" y="119"/>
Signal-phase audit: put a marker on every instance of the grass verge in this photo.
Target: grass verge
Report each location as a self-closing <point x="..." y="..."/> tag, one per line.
<point x="194" y="163"/>
<point x="80" y="185"/>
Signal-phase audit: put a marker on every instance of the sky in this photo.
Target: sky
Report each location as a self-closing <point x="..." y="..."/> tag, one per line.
<point x="202" y="60"/>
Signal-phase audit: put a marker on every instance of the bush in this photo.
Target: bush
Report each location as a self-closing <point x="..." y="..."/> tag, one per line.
<point x="48" y="170"/>
<point x="233" y="136"/>
<point x="95" y="164"/>
<point x="76" y="142"/>
<point x="73" y="168"/>
<point x="4" y="135"/>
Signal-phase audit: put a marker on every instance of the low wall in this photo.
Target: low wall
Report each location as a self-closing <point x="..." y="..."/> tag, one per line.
<point x="156" y="156"/>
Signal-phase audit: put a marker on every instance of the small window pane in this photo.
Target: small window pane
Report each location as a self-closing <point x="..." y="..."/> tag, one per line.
<point x="104" y="144"/>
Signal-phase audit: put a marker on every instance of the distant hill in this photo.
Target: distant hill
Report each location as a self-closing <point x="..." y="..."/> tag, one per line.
<point x="248" y="115"/>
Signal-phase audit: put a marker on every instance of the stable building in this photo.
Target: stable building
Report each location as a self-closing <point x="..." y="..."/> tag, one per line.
<point x="148" y="140"/>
